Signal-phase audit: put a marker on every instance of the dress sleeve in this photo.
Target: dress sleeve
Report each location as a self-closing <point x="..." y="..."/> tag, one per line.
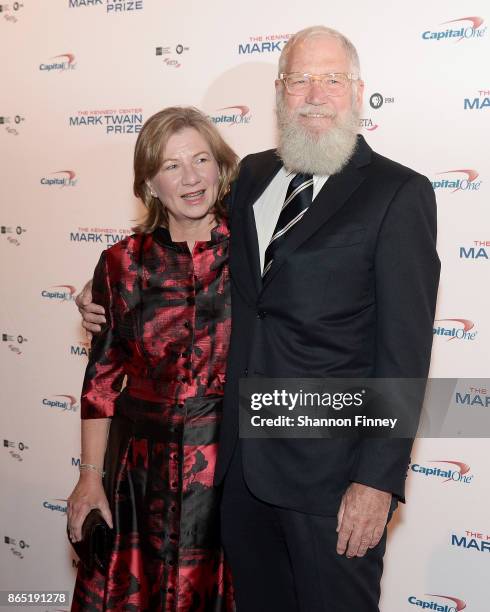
<point x="105" y="369"/>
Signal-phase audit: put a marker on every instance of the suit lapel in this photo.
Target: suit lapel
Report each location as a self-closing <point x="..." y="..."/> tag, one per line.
<point x="336" y="191"/>
<point x="245" y="259"/>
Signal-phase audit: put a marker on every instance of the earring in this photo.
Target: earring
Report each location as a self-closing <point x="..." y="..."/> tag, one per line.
<point x="150" y="187"/>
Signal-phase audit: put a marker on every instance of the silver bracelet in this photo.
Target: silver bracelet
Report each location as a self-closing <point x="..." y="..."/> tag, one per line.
<point x="93" y="468"/>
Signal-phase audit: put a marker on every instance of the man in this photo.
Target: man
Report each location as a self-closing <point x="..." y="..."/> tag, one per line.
<point x="334" y="274"/>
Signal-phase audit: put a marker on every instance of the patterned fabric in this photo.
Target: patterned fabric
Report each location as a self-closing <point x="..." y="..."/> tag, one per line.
<point x="167" y="337"/>
<point x="298" y="199"/>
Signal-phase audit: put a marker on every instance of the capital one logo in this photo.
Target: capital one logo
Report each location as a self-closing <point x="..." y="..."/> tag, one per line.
<point x="238" y="114"/>
<point x="63" y="293"/>
<point x="65" y="403"/>
<point x="461" y="474"/>
<point x="456" y="604"/>
<point x="61" y="63"/>
<point x="455" y="329"/>
<point x="55" y="507"/>
<point x="464" y="28"/>
<point x="463" y="179"/>
<point x="463" y="468"/>
<point x="60" y="178"/>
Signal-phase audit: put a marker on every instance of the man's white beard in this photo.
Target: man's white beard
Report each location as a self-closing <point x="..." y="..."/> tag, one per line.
<point x="321" y="153"/>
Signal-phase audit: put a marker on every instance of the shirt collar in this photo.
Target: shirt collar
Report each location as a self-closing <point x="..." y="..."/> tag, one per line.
<point x="219" y="233"/>
<point x="316" y="177"/>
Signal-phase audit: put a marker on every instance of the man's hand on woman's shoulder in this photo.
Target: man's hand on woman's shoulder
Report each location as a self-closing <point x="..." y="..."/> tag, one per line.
<point x="92" y="314"/>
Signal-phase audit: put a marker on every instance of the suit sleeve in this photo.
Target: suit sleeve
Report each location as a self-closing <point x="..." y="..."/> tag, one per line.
<point x="407" y="276"/>
<point x="105" y="369"/>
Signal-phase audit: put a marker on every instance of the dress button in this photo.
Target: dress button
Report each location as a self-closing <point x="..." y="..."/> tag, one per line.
<point x="171" y="562"/>
<point x="170" y="590"/>
<point x="173" y="537"/>
<point x="187" y="324"/>
<point x="173" y="508"/>
<point x="173" y="484"/>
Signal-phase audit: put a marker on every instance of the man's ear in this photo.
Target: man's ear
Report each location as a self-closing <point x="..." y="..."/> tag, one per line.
<point x="360" y="93"/>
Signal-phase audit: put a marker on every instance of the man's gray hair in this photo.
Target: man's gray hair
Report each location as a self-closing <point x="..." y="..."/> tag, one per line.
<point x="320" y="31"/>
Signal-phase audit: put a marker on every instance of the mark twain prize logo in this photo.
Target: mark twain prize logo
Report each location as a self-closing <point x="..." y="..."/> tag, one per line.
<point x="459" y="473"/>
<point x="232" y="115"/>
<point x="172" y="56"/>
<point x="13" y="234"/>
<point x="59" y="293"/>
<point x="473" y="396"/>
<point x="61" y="402"/>
<point x="463" y="28"/>
<point x="80" y="349"/>
<point x="480" y="249"/>
<point x="269" y="43"/>
<point x="479" y="102"/>
<point x="105" y="236"/>
<point x="438" y="603"/>
<point x="463" y="179"/>
<point x="112" y="121"/>
<point x="60" y="178"/>
<point x="12" y="123"/>
<point x="111" y="6"/>
<point x="59" y="63"/>
<point x="471" y="540"/>
<point x="10" y="11"/>
<point x="455" y="329"/>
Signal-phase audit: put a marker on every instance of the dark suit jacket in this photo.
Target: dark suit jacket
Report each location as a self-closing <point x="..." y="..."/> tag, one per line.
<point x="351" y="293"/>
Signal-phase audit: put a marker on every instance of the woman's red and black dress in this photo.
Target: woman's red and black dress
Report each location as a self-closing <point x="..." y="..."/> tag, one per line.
<point x="158" y="370"/>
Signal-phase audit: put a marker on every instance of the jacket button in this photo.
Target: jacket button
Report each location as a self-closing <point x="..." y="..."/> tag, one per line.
<point x="245" y="372"/>
<point x="261" y="314"/>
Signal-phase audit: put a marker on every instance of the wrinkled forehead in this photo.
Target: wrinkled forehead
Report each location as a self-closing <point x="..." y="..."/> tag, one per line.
<point x="317" y="53"/>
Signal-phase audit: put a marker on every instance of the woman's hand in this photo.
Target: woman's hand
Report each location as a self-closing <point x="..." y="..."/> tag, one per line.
<point x="87" y="495"/>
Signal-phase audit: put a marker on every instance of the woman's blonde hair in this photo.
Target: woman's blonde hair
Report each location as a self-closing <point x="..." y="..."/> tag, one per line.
<point x="148" y="154"/>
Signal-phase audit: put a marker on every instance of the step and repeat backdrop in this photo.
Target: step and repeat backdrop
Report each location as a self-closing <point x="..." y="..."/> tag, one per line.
<point x="79" y="78"/>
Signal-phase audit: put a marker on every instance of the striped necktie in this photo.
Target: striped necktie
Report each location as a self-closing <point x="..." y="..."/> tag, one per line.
<point x="298" y="198"/>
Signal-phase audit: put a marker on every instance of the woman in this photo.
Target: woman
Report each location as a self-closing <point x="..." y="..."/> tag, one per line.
<point x="165" y="291"/>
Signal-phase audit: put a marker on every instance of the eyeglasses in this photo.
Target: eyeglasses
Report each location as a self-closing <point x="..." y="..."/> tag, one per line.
<point x="334" y="83"/>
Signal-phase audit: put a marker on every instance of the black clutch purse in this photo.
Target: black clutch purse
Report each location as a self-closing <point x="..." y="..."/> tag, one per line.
<point x="96" y="544"/>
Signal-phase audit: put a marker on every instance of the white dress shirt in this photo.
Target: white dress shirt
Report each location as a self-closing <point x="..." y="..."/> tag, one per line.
<point x="268" y="206"/>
